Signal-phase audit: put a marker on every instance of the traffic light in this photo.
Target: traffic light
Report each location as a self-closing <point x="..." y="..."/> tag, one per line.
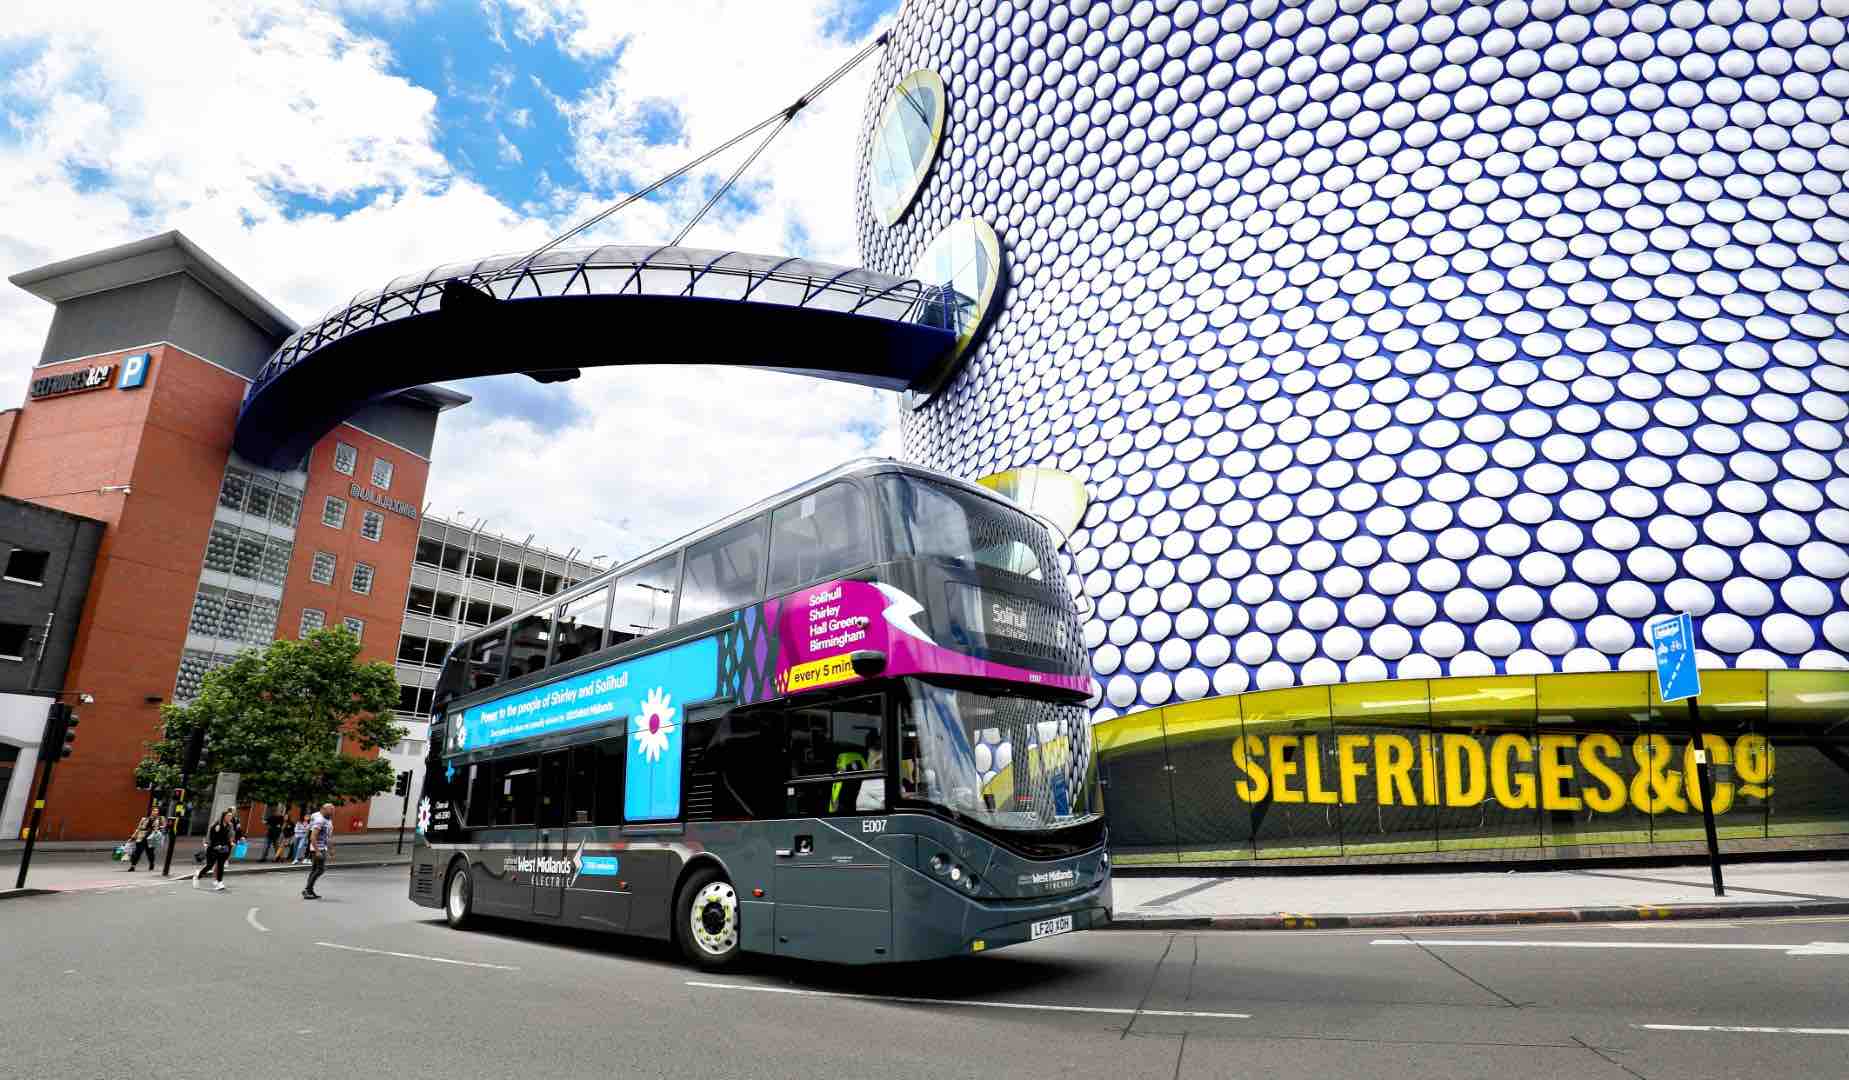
<point x="403" y="787"/>
<point x="70" y="735"/>
<point x="57" y="721"/>
<point x="195" y="750"/>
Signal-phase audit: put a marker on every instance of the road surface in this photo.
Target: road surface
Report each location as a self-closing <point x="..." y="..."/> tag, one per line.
<point x="165" y="981"/>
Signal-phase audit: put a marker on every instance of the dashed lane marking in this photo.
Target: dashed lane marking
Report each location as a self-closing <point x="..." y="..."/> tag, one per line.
<point x="1733" y="1029"/>
<point x="415" y="956"/>
<point x="960" y="1004"/>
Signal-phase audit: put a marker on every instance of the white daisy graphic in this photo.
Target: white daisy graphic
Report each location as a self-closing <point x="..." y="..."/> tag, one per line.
<point x="423" y="816"/>
<point x="652" y="729"/>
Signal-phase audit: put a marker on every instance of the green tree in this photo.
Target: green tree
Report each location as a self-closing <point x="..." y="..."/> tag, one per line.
<point x="278" y="717"/>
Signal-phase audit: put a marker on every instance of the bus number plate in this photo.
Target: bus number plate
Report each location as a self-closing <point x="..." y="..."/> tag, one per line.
<point x="1049" y="927"/>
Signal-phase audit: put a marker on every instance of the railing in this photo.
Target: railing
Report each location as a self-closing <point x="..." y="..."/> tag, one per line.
<point x="615" y="270"/>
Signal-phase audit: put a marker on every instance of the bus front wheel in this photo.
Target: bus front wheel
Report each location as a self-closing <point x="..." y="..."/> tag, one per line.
<point x="706" y="922"/>
<point x="459" y="897"/>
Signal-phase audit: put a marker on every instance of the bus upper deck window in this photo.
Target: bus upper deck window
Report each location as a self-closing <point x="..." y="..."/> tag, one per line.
<point x="643" y="600"/>
<point x="821" y="535"/>
<point x="725" y="570"/>
<point x="581" y="626"/>
<point x="487" y="657"/>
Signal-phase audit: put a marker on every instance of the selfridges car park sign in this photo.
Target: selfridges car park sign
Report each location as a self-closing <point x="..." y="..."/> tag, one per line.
<point x="71" y="382"/>
<point x="396" y="506"/>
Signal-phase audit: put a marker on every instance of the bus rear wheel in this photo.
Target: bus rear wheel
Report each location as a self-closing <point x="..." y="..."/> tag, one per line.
<point x="706" y="919"/>
<point x="459" y="898"/>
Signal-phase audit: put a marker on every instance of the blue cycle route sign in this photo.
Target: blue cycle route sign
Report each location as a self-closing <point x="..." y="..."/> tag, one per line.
<point x="1673" y="642"/>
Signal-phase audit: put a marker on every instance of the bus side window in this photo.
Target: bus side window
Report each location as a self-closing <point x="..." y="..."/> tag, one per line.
<point x="725" y="570"/>
<point x="518" y="792"/>
<point x="581" y="626"/>
<point x="487" y="657"/>
<point x="582" y="809"/>
<point x="611" y="754"/>
<point x="643" y="600"/>
<point x="482" y="796"/>
<point x="532" y="639"/>
<point x="821" y="535"/>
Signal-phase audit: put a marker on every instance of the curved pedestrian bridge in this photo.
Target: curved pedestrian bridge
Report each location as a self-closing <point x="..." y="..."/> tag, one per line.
<point x="569" y="309"/>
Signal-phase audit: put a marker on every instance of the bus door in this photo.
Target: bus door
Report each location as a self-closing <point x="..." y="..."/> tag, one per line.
<point x="832" y="887"/>
<point x="552" y="858"/>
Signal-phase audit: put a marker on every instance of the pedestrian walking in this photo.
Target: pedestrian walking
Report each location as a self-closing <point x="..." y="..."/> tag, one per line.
<point x="219" y="841"/>
<point x="301" y="837"/>
<point x="287" y="848"/>
<point x="320" y="846"/>
<point x="149" y="832"/>
<point x="272" y="833"/>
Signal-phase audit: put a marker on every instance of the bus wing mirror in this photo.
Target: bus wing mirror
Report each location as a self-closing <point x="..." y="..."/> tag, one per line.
<point x="868" y="663"/>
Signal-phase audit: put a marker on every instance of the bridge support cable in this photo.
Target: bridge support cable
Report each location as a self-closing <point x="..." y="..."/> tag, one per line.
<point x="781" y="118"/>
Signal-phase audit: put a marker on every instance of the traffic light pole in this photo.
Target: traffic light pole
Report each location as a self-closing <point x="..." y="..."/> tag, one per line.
<point x="404" y="782"/>
<point x="38" y="815"/>
<point x="176" y="827"/>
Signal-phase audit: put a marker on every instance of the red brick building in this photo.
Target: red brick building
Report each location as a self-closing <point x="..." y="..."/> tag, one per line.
<point x="203" y="554"/>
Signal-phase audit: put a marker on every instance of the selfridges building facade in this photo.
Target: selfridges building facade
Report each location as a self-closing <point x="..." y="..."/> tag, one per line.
<point x="1393" y="340"/>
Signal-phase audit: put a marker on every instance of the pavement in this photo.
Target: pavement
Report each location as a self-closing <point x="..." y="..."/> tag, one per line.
<point x="1604" y="894"/>
<point x="79" y="867"/>
<point x="377" y="986"/>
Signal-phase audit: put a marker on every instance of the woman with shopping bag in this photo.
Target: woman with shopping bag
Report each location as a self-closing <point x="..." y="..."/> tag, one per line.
<point x="219" y="840"/>
<point x="149" y="832"/>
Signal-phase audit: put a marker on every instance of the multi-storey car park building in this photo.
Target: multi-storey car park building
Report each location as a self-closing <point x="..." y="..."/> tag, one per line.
<point x="128" y="421"/>
<point x="462" y="578"/>
<point x="1421" y="342"/>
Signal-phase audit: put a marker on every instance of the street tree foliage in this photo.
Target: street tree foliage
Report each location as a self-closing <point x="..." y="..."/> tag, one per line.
<point x="277" y="715"/>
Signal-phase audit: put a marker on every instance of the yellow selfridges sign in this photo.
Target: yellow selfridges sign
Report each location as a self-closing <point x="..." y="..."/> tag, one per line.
<point x="1553" y="771"/>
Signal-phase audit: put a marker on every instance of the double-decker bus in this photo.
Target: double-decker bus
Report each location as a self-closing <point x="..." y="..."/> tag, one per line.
<point x="844" y="724"/>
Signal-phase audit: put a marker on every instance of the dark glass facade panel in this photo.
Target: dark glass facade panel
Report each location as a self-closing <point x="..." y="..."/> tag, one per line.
<point x="819" y="536"/>
<point x="1489" y="782"/>
<point x="1382" y="765"/>
<point x="1285" y="757"/>
<point x="1587" y="732"/>
<point x="1799" y="759"/>
<point x="1731" y="715"/>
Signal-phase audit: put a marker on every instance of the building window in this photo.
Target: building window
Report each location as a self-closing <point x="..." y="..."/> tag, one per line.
<point x="345" y="458"/>
<point x="356" y="627"/>
<point x="13" y="640"/>
<point x="381" y="473"/>
<point x="312" y="619"/>
<point x="27" y="567"/>
<point x="372" y="525"/>
<point x="362" y="578"/>
<point x="334" y="512"/>
<point x="321" y="571"/>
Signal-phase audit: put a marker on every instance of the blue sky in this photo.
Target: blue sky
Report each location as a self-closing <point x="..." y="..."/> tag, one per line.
<point x="320" y="147"/>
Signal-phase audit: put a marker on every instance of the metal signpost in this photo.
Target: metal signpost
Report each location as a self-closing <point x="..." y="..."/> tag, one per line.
<point x="1677" y="679"/>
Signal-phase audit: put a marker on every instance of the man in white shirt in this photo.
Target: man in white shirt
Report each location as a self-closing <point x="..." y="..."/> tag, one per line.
<point x="320" y="846"/>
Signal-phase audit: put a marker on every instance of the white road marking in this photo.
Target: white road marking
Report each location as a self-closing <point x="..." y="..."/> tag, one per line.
<point x="251" y="918"/>
<point x="1734" y="1029"/>
<point x="973" y="1004"/>
<point x="415" y="956"/>
<point x="1815" y="948"/>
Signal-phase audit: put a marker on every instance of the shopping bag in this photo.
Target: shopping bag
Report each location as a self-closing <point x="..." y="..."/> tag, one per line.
<point x="241" y="850"/>
<point x="121" y="852"/>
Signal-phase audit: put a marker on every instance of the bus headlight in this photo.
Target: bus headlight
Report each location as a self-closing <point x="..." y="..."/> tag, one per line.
<point x="940" y="863"/>
<point x="956" y="873"/>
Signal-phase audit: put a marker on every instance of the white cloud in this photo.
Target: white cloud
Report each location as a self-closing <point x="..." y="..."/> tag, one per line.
<point x="753" y="58"/>
<point x="128" y="121"/>
<point x="509" y="152"/>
